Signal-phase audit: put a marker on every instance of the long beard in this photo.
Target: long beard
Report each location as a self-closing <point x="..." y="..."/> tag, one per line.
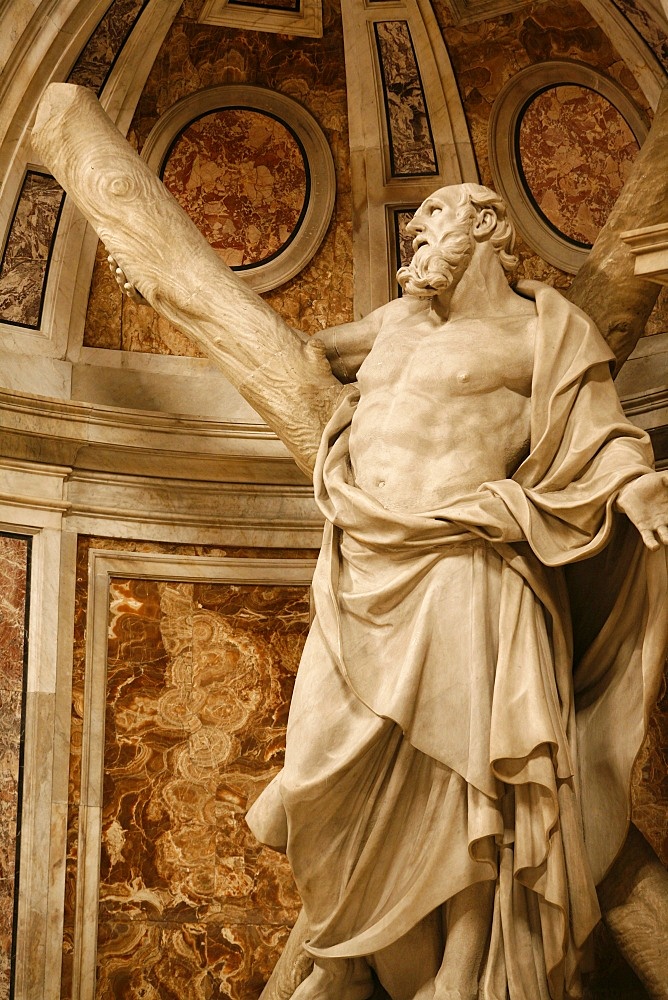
<point x="433" y="268"/>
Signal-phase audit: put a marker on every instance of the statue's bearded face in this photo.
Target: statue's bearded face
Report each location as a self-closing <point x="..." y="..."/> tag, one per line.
<point x="443" y="245"/>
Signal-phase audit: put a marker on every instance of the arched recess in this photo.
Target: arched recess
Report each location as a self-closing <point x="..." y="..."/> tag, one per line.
<point x="544" y="236"/>
<point x="391" y="175"/>
<point x="46" y="52"/>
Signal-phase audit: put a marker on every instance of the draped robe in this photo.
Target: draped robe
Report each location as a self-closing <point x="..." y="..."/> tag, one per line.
<point x="475" y="686"/>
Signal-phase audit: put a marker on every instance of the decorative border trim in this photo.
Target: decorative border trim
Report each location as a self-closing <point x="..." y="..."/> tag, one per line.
<point x="306" y="21"/>
<point x="506" y="168"/>
<point x="102" y="565"/>
<point x="321" y="190"/>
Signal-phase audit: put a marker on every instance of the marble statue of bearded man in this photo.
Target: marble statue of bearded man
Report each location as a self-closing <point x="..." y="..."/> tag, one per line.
<point x="486" y="606"/>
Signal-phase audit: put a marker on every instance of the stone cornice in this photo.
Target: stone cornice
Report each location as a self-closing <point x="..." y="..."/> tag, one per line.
<point x="650" y="248"/>
<point x="138" y="442"/>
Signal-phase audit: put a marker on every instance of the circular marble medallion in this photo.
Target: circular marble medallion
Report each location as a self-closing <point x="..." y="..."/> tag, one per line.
<point x="254" y="171"/>
<point x="242" y="177"/>
<point x="562" y="140"/>
<point x="575" y="151"/>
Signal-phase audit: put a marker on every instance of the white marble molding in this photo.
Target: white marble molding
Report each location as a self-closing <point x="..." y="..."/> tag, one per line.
<point x="375" y="192"/>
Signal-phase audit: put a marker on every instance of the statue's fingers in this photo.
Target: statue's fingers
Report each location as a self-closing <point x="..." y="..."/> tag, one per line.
<point x="662" y="532"/>
<point x="648" y="538"/>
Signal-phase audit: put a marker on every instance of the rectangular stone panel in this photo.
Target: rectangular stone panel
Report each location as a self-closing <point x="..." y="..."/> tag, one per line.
<point x="98" y="56"/>
<point x="27" y="254"/>
<point x="199" y="679"/>
<point x="411" y="143"/>
<point x="14" y="593"/>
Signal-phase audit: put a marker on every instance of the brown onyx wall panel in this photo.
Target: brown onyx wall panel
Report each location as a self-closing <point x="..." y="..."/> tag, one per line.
<point x="14" y="592"/>
<point x="575" y="151"/>
<point x="198" y="687"/>
<point x="310" y="70"/>
<point x="27" y="253"/>
<point x="242" y="178"/>
<point x="100" y="52"/>
<point x="199" y="681"/>
<point x="412" y="150"/>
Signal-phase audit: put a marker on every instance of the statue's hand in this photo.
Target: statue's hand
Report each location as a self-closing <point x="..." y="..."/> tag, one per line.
<point x="645" y="503"/>
<point x="126" y="286"/>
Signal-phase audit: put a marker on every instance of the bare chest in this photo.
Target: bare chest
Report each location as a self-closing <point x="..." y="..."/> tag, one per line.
<point x="454" y="359"/>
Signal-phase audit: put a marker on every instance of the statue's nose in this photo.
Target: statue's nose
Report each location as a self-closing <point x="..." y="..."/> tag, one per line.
<point x="414" y="227"/>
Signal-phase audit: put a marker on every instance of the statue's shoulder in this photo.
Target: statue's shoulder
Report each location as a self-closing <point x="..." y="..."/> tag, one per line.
<point x="405" y="305"/>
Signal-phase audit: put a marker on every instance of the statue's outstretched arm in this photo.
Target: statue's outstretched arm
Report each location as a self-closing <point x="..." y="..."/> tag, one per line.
<point x="284" y="377"/>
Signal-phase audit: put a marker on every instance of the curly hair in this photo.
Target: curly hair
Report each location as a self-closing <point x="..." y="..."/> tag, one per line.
<point x="475" y="198"/>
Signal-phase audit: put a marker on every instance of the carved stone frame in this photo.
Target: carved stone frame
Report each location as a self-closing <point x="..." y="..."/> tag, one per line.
<point x="306" y="21"/>
<point x="506" y="171"/>
<point x="319" y="163"/>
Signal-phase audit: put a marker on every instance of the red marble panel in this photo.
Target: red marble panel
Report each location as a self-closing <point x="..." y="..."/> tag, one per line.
<point x="241" y="177"/>
<point x="14" y="563"/>
<point x="312" y="72"/>
<point x="576" y="152"/>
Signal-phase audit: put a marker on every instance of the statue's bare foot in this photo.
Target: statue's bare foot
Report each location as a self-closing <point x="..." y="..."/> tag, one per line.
<point x="126" y="286"/>
<point x="337" y="979"/>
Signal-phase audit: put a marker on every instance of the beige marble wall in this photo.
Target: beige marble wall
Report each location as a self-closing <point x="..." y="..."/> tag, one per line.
<point x="194" y="56"/>
<point x="14" y="572"/>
